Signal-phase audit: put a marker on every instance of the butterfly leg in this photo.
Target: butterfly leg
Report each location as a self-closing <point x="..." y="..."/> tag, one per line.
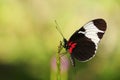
<point x="64" y="53"/>
<point x="72" y="59"/>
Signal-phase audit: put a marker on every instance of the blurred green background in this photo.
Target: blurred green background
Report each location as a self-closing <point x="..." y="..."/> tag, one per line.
<point x="29" y="39"/>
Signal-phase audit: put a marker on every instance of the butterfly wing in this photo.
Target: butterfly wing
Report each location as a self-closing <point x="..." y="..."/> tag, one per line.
<point x="83" y="43"/>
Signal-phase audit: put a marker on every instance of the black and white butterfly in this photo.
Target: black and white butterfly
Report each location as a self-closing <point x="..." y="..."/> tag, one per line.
<point x="83" y="44"/>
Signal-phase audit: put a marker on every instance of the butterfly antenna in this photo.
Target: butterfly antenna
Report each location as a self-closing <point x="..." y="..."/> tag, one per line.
<point x="58" y="29"/>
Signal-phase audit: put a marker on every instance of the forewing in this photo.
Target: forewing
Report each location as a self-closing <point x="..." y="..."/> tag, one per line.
<point x="87" y="39"/>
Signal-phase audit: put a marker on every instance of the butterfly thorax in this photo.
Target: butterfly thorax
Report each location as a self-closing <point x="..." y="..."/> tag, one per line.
<point x="69" y="45"/>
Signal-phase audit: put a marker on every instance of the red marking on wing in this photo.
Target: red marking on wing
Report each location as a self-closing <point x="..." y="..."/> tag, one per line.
<point x="72" y="46"/>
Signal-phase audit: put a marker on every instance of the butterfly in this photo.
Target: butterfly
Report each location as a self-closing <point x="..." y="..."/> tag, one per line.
<point x="82" y="45"/>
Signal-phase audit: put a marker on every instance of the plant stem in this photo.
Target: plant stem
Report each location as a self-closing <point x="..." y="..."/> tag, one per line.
<point x="58" y="61"/>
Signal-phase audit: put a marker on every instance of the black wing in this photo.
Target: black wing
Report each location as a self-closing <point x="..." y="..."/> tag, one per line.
<point x="83" y="43"/>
